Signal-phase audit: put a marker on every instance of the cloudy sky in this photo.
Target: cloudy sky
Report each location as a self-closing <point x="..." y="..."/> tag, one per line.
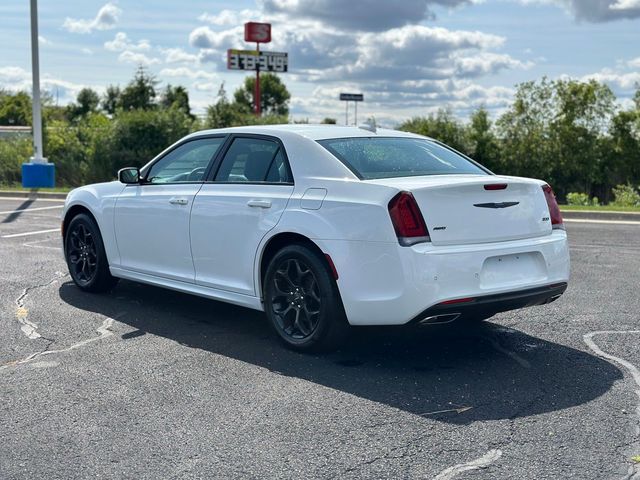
<point x="408" y="57"/>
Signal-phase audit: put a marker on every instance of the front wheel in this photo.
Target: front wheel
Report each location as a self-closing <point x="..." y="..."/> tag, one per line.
<point x="302" y="301"/>
<point x="85" y="255"/>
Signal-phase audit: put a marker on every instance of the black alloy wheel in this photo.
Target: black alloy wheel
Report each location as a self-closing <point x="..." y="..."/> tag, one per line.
<point x="302" y="300"/>
<point x="85" y="255"/>
<point x="83" y="258"/>
<point x="295" y="299"/>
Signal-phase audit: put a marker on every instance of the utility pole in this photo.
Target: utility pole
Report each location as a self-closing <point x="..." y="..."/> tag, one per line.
<point x="38" y="172"/>
<point x="35" y="71"/>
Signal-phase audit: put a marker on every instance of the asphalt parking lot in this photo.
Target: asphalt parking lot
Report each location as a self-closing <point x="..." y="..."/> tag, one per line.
<point x="147" y="383"/>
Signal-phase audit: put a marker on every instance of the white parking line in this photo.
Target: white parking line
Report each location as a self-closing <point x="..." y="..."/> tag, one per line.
<point x="25" y="234"/>
<point x="631" y="368"/>
<point x="30" y="209"/>
<point x="613" y="222"/>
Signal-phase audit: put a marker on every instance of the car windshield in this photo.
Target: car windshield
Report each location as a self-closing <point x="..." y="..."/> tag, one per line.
<point x="388" y="157"/>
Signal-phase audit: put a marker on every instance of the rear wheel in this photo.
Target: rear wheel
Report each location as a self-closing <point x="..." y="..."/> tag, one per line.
<point x="302" y="302"/>
<point x="85" y="255"/>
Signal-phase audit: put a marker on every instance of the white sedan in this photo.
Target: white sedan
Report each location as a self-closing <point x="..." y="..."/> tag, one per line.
<point x="322" y="227"/>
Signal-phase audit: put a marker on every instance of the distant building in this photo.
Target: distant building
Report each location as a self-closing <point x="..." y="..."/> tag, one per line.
<point x="7" y="131"/>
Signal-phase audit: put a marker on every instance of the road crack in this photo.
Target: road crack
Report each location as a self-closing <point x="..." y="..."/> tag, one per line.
<point x="103" y="330"/>
<point x="28" y="327"/>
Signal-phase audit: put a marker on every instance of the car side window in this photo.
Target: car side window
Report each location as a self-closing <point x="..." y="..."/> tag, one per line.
<point x="186" y="163"/>
<point x="254" y="160"/>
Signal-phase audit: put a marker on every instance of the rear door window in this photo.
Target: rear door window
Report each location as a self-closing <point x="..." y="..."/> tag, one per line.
<point x="254" y="160"/>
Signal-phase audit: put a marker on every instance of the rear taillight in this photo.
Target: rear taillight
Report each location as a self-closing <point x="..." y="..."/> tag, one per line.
<point x="407" y="220"/>
<point x="554" y="210"/>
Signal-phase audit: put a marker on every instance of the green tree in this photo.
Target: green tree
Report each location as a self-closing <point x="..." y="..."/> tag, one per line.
<point x="15" y="109"/>
<point x="223" y="114"/>
<point x="87" y="101"/>
<point x="140" y="93"/>
<point x="483" y="144"/>
<point x="555" y="130"/>
<point x="624" y="158"/>
<point x="176" y="97"/>
<point x="137" y="136"/>
<point x="111" y="99"/>
<point x="274" y="96"/>
<point x="524" y="131"/>
<point x="329" y="121"/>
<point x="442" y="126"/>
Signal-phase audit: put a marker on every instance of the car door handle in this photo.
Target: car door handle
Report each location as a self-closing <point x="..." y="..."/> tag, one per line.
<point x="178" y="201"/>
<point x="259" y="203"/>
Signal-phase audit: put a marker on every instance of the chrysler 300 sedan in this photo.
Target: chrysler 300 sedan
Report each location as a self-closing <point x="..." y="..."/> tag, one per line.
<point x="322" y="227"/>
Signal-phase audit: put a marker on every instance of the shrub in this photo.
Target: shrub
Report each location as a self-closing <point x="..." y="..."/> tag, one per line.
<point x="575" y="198"/>
<point x="13" y="153"/>
<point x="625" y="196"/>
<point x="582" y="199"/>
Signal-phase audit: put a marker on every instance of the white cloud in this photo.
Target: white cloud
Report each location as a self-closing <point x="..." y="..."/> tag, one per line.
<point x="87" y="51"/>
<point x="43" y="41"/>
<point x="486" y="63"/>
<point x="406" y="70"/>
<point x="186" y="72"/>
<point x="17" y="79"/>
<point x="596" y="11"/>
<point x="138" y="58"/>
<point x="106" y="19"/>
<point x="121" y="43"/>
<point x="204" y="37"/>
<point x="363" y="15"/>
<point x="625" y="5"/>
<point x="13" y="74"/>
<point x="635" y="63"/>
<point x="617" y="80"/>
<point x="228" y="17"/>
<point x="178" y="55"/>
<point x="206" y="86"/>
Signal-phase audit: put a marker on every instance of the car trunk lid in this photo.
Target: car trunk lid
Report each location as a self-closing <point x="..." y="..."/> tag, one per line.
<point x="466" y="209"/>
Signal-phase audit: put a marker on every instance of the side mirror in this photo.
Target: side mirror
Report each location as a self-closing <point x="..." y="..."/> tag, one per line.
<point x="129" y="175"/>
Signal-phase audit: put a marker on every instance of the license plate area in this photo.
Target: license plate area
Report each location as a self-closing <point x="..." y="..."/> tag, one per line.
<point x="512" y="270"/>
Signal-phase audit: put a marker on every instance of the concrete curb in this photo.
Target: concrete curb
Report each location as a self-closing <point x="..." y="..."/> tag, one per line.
<point x="595" y="215"/>
<point x="33" y="194"/>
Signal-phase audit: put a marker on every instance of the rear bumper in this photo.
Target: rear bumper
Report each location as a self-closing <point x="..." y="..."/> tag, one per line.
<point x="384" y="283"/>
<point x="488" y="305"/>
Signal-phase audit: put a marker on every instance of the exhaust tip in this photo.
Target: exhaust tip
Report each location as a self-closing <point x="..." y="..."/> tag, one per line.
<point x="439" y="319"/>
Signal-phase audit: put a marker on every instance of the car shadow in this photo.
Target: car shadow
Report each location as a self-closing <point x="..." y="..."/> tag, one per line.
<point x="453" y="373"/>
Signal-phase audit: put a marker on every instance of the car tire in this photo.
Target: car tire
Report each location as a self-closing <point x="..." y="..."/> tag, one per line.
<point x="86" y="257"/>
<point x="302" y="301"/>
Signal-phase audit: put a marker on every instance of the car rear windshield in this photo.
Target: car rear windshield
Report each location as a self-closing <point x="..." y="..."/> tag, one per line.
<point x="387" y="157"/>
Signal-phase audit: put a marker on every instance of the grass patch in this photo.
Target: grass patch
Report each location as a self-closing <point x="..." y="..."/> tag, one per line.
<point x="20" y="188"/>
<point x="600" y="208"/>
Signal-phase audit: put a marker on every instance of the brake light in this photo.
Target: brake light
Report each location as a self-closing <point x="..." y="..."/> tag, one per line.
<point x="554" y="210"/>
<point x="407" y="220"/>
<point x="496" y="186"/>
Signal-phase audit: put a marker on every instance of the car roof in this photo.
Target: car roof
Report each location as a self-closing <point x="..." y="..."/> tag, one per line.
<point x="313" y="132"/>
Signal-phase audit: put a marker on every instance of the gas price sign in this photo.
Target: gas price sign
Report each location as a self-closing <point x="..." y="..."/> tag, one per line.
<point x="252" y="59"/>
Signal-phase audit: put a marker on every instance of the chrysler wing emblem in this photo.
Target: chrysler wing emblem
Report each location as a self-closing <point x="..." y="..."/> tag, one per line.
<point x="496" y="205"/>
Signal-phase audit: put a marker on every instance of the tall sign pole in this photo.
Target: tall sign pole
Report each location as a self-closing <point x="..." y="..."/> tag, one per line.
<point x="35" y="71"/>
<point x="351" y="97"/>
<point x="257" y="96"/>
<point x="259" y="33"/>
<point x="37" y="172"/>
